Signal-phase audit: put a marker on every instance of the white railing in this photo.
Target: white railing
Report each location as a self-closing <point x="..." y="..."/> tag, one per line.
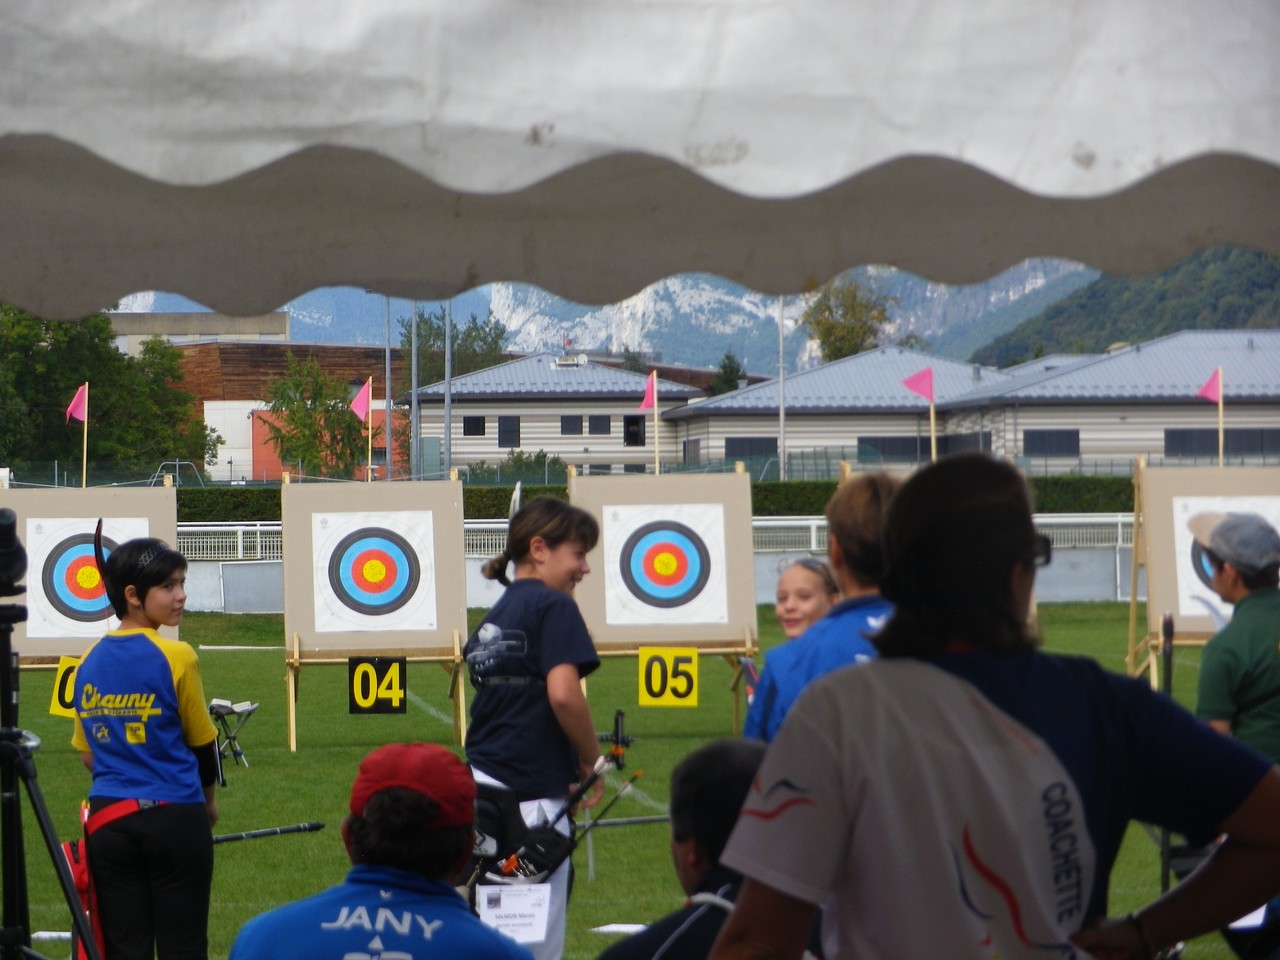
<point x="487" y="538"/>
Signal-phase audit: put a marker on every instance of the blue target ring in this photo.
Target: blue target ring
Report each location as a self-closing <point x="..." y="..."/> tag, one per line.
<point x="665" y="564"/>
<point x="374" y="571"/>
<point x="72" y="582"/>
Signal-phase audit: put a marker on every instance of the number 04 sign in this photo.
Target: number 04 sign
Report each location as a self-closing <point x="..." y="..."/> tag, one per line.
<point x="668" y="677"/>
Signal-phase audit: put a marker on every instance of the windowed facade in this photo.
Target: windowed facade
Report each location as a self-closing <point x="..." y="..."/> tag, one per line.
<point x="1051" y="443"/>
<point x="910" y="449"/>
<point x="1236" y="442"/>
<point x="600" y="424"/>
<point x="749" y="448"/>
<point x="508" y="431"/>
<point x="571" y="426"/>
<point x="633" y="430"/>
<point x="473" y="426"/>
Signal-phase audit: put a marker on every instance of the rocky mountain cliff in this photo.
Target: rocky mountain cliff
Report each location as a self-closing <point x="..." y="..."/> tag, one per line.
<point x="694" y="319"/>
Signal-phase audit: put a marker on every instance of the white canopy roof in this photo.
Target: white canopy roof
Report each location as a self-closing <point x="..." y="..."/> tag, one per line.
<point x="244" y="151"/>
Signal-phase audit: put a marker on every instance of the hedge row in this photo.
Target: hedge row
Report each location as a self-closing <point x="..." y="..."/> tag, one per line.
<point x="802" y="498"/>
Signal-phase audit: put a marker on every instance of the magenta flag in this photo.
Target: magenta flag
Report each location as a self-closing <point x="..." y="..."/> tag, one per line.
<point x="360" y="405"/>
<point x="1212" y="389"/>
<point x="79" y="404"/>
<point x="921" y="383"/>
<point x="650" y="392"/>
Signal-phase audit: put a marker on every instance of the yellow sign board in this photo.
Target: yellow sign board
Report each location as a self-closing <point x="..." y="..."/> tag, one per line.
<point x="668" y="677"/>
<point x="63" y="701"/>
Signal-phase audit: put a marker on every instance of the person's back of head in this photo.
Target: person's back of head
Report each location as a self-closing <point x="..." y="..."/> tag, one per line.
<point x="412" y="808"/>
<point x="955" y="533"/>
<point x="855" y="522"/>
<point x="708" y="788"/>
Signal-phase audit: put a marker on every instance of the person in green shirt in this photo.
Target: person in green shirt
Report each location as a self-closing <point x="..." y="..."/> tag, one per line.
<point x="1239" y="688"/>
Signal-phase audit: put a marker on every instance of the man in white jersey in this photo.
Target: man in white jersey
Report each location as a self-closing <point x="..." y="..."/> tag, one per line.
<point x="965" y="795"/>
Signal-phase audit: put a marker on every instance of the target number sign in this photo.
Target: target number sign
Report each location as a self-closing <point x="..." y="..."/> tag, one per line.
<point x="668" y="677"/>
<point x="63" y="701"/>
<point x="376" y="684"/>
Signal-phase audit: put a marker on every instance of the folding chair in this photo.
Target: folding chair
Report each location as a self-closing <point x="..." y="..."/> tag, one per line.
<point x="223" y="713"/>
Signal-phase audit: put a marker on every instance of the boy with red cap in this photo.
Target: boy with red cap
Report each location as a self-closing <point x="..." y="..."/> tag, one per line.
<point x="410" y="835"/>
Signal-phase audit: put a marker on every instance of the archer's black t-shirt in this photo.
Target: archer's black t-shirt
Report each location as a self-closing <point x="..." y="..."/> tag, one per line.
<point x="514" y="736"/>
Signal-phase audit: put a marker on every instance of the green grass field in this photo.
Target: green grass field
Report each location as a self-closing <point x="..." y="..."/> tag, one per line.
<point x="624" y="875"/>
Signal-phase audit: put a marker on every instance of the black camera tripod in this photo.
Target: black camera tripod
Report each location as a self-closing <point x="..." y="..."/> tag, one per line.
<point x="17" y="762"/>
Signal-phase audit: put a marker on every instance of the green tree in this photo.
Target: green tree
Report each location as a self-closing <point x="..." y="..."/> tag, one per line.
<point x="727" y="377"/>
<point x="155" y="396"/>
<point x="476" y="344"/>
<point x="312" y="422"/>
<point x="537" y="468"/>
<point x="632" y="361"/>
<point x="138" y="412"/>
<point x="846" y="318"/>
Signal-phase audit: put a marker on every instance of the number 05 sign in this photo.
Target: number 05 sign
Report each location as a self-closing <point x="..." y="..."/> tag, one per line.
<point x="668" y="676"/>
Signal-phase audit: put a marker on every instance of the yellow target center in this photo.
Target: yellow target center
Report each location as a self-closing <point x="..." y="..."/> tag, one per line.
<point x="87" y="578"/>
<point x="665" y="564"/>
<point x="375" y="571"/>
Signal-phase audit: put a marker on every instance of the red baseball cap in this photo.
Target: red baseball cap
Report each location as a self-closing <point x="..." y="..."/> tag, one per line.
<point x="427" y="768"/>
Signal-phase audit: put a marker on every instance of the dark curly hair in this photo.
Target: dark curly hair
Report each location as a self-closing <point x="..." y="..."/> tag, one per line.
<point x="394" y="832"/>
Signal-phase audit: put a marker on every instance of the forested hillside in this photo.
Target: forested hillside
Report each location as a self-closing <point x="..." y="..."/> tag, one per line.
<point x="1225" y="288"/>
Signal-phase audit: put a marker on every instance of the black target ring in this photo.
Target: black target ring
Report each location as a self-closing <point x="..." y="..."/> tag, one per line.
<point x="72" y="582"/>
<point x="665" y="564"/>
<point x="374" y="571"/>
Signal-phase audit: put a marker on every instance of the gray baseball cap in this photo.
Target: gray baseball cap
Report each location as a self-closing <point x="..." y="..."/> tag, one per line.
<point x="1244" y="540"/>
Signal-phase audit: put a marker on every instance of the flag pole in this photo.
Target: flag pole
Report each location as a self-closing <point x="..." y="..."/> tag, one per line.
<point x="933" y="433"/>
<point x="657" y="443"/>
<point x="84" y="440"/>
<point x="368" y="461"/>
<point x="1221" y="431"/>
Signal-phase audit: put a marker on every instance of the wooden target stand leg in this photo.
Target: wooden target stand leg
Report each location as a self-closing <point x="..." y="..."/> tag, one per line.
<point x="735" y="661"/>
<point x="454" y="666"/>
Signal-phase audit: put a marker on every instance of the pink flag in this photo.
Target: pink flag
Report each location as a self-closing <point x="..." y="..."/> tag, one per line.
<point x="650" y="392"/>
<point x="79" y="404"/>
<point x="921" y="383"/>
<point x="360" y="405"/>
<point x="1212" y="389"/>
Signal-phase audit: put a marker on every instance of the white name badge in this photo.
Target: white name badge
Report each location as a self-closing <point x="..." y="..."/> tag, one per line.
<point x="518" y="910"/>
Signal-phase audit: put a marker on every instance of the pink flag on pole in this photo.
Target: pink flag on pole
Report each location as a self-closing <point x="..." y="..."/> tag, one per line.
<point x="921" y="383"/>
<point x="79" y="404"/>
<point x="1212" y="389"/>
<point x="650" y="392"/>
<point x="360" y="405"/>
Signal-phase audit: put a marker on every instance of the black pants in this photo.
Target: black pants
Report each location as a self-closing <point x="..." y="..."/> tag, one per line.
<point x="153" y="871"/>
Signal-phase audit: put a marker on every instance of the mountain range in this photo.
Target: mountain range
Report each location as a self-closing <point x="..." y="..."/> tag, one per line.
<point x="690" y="319"/>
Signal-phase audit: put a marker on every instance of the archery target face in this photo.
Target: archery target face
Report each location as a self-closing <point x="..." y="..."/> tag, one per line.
<point x="665" y="564"/>
<point x="1194" y="573"/>
<point x="374" y="571"/>
<point x="65" y="594"/>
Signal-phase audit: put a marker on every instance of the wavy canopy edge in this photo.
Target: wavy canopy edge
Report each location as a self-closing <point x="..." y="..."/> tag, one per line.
<point x="92" y="233"/>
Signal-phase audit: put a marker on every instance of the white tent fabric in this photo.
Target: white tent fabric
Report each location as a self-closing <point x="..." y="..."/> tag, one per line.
<point x="244" y="151"/>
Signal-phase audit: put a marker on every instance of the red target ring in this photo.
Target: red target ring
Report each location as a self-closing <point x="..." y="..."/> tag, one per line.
<point x="666" y="563"/>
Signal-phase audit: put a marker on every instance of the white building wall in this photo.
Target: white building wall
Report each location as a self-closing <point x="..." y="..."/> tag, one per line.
<point x="540" y="430"/>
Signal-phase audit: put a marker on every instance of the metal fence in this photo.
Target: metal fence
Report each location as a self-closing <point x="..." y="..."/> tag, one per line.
<point x="488" y="538"/>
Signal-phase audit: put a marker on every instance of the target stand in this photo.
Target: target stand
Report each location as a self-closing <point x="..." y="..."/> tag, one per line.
<point x="373" y="571"/>
<point x="674" y="566"/>
<point x="66" y="599"/>
<point x="1178" y="578"/>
